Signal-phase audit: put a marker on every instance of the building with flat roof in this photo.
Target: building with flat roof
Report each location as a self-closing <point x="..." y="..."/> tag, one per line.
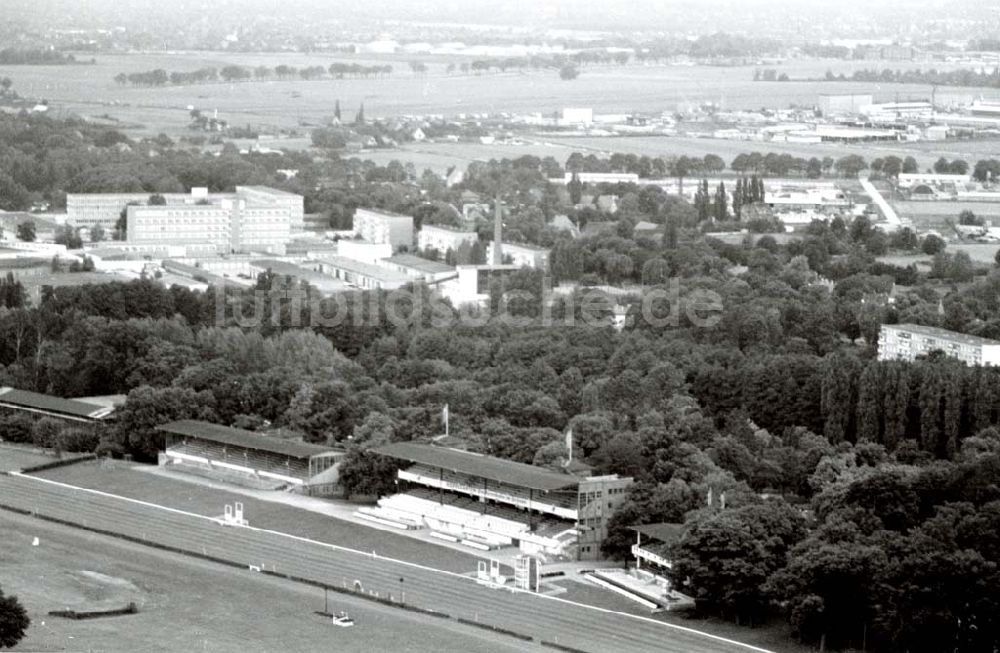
<point x="521" y="255"/>
<point x="441" y="239"/>
<point x="366" y="276"/>
<point x="365" y="251"/>
<point x="471" y="284"/>
<point x="419" y="268"/>
<point x="843" y="104"/>
<point x="378" y="226"/>
<point x="909" y="341"/>
<point x="43" y="405"/>
<point x="104" y="209"/>
<point x="249" y="220"/>
<point x="598" y="178"/>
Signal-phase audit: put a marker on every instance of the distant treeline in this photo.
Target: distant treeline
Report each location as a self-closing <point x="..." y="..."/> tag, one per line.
<point x="916" y="76"/>
<point x="161" y="77"/>
<point x="39" y="56"/>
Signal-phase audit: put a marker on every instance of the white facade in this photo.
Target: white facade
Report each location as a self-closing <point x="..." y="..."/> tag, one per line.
<point x="104" y="209"/>
<point x="908" y="341"/>
<point x="250" y="219"/>
<point x="383" y="227"/>
<point x="908" y="179"/>
<point x="522" y="255"/>
<point x="576" y="116"/>
<point x="844" y="104"/>
<point x="444" y="238"/>
<point x="363" y="250"/>
<point x="599" y="178"/>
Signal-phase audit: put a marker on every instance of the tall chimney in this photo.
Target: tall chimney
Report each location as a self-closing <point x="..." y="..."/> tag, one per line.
<point x="498" y="234"/>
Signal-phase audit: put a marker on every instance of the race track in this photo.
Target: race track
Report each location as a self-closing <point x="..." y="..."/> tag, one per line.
<point x="550" y="619"/>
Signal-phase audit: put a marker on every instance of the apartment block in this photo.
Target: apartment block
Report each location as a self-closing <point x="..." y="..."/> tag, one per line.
<point x="442" y="239"/>
<point x="908" y="341"/>
<point x="383" y="227"/>
<point x="252" y="219"/>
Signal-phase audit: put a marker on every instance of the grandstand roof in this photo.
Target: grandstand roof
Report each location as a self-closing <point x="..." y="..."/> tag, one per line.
<point x="242" y="438"/>
<point x="57" y="406"/>
<point x="465" y="462"/>
<point x="664" y="532"/>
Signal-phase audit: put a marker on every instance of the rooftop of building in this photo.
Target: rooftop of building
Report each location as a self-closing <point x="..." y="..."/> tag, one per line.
<point x="268" y="190"/>
<point x="35" y="401"/>
<point x="418" y="263"/>
<point x="479" y="465"/>
<point x="243" y="438"/>
<point x="526" y="246"/>
<point x="366" y="269"/>
<point x="383" y="213"/>
<point x="944" y="334"/>
<point x="448" y="228"/>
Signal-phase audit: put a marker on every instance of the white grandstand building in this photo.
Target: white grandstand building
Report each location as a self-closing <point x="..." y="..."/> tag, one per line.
<point x="488" y="503"/>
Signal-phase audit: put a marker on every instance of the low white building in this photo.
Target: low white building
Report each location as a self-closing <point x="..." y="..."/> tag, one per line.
<point x="521" y="255"/>
<point x="419" y="268"/>
<point x="598" y="178"/>
<point x="363" y="250"/>
<point x="576" y="116"/>
<point x="442" y="239"/>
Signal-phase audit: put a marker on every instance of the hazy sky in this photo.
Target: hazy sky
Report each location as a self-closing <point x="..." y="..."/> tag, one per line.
<point x="667" y="15"/>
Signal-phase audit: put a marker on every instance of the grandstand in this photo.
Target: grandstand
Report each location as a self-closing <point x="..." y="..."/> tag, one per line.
<point x="248" y="458"/>
<point x="489" y="503"/>
<point x="42" y="405"/>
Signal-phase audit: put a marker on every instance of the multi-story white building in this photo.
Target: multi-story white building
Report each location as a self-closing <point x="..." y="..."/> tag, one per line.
<point x="441" y="239"/>
<point x="104" y="209"/>
<point x="364" y="251"/>
<point x="383" y="227"/>
<point x="521" y="255"/>
<point x="908" y="341"/>
<point x="251" y="219"/>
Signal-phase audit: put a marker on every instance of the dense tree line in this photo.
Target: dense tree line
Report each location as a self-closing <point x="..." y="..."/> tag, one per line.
<point x="235" y="73"/>
<point x="964" y="77"/>
<point x="34" y="57"/>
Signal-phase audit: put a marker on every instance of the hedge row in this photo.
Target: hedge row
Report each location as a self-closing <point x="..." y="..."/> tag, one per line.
<point x="562" y="647"/>
<point x="62" y="462"/>
<point x="131" y="608"/>
<point x="496" y="629"/>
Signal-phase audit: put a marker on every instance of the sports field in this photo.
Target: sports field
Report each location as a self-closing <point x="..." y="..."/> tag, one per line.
<point x="535" y="616"/>
<point x="90" y="89"/>
<point x="190" y="605"/>
<point x="203" y="500"/>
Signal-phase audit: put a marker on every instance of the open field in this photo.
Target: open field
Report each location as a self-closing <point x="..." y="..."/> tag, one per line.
<point x="459" y="596"/>
<point x="90" y="89"/>
<point x="191" y="605"/>
<point x="441" y="156"/>
<point x="935" y="213"/>
<point x="210" y="502"/>
<point x="13" y="458"/>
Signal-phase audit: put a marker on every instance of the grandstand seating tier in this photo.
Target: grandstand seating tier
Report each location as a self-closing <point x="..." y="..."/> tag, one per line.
<point x="261" y="461"/>
<point x="550" y="502"/>
<point x="236" y="477"/>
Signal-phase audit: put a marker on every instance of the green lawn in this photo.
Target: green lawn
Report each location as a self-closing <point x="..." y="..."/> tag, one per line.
<point x="191" y="605"/>
<point x="202" y="500"/>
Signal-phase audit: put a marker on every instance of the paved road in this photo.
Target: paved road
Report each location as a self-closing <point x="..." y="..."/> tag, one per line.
<point x="887" y="211"/>
<point x="551" y="619"/>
